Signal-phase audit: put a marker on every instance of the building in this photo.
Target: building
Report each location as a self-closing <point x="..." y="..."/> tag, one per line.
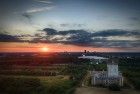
<point x="93" y="59"/>
<point x="105" y="78"/>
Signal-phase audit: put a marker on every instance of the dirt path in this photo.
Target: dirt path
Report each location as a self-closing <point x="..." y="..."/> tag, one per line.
<point x="84" y="82"/>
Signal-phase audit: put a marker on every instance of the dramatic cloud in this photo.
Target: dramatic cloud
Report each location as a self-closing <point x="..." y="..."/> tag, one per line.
<point x="69" y="37"/>
<point x="99" y="38"/>
<point x="104" y="33"/>
<point x="50" y="31"/>
<point x="116" y="32"/>
<point x="106" y="38"/>
<point x="8" y="38"/>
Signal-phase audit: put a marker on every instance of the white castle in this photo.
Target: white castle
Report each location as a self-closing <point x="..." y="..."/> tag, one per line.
<point x="111" y="76"/>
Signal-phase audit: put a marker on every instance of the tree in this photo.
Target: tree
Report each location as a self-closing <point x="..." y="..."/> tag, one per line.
<point x="114" y="87"/>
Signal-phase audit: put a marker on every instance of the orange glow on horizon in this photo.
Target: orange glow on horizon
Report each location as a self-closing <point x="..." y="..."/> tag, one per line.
<point x="44" y="49"/>
<point x="55" y="47"/>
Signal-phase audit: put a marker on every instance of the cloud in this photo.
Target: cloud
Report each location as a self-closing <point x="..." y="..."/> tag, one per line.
<point x="116" y="32"/>
<point x="8" y="38"/>
<point x="72" y="25"/>
<point x="98" y="39"/>
<point x="28" y="16"/>
<point x="28" y="13"/>
<point x="80" y="38"/>
<point x="36" y="10"/>
<point x="44" y="1"/>
<point x="50" y="31"/>
<point x="75" y="36"/>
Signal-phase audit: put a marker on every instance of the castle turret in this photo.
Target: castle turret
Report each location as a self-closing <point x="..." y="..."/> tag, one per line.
<point x="112" y="69"/>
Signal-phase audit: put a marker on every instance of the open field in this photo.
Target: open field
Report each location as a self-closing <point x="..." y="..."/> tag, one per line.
<point x="24" y="79"/>
<point x="59" y="74"/>
<point x="34" y="85"/>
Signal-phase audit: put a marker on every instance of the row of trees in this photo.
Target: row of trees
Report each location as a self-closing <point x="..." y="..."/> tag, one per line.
<point x="10" y="85"/>
<point x="29" y="73"/>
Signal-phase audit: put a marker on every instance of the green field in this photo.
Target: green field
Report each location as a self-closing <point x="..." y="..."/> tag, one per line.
<point x="64" y="82"/>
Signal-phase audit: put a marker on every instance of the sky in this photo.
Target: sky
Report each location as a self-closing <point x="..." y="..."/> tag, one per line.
<point x="73" y="25"/>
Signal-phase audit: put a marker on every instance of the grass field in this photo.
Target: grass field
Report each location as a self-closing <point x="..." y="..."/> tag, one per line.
<point x="19" y="81"/>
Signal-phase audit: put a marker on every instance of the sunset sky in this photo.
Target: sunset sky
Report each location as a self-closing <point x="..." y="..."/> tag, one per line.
<point x="70" y="25"/>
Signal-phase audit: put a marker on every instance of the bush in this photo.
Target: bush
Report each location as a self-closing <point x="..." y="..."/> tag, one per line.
<point x="9" y="85"/>
<point x="114" y="87"/>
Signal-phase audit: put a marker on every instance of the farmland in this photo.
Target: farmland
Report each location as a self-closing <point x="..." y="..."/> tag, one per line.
<point x="54" y="73"/>
<point x="21" y="75"/>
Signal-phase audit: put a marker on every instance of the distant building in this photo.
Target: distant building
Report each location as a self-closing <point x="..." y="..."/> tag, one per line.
<point x="93" y="59"/>
<point x="111" y="76"/>
<point x="85" y="51"/>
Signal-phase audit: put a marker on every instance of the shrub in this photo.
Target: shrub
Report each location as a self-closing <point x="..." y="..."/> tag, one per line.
<point x="114" y="87"/>
<point x="10" y="85"/>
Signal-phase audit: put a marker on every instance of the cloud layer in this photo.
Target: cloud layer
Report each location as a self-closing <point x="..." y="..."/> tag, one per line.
<point x="8" y="38"/>
<point x="98" y="39"/>
<point x="106" y="38"/>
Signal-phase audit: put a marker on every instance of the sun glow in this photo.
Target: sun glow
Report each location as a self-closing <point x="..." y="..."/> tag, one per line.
<point x="44" y="49"/>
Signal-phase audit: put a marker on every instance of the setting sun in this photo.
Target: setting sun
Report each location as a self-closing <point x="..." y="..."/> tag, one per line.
<point x="44" y="49"/>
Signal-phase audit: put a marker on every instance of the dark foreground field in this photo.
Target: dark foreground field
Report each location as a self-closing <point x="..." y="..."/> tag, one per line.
<point x="40" y="74"/>
<point x="95" y="90"/>
<point x="60" y="73"/>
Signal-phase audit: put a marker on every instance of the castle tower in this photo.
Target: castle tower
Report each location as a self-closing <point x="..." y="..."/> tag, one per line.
<point x="112" y="69"/>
